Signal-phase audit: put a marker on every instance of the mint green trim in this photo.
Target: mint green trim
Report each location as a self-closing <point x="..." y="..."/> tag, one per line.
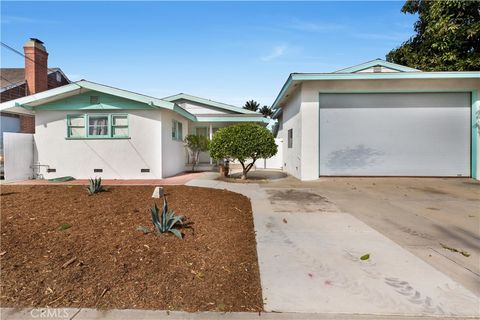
<point x="370" y="76"/>
<point x="474" y="113"/>
<point x="86" y="126"/>
<point x="215" y="104"/>
<point x="474" y="146"/>
<point x="377" y="62"/>
<point x="233" y="119"/>
<point x="184" y="113"/>
<point x="98" y="138"/>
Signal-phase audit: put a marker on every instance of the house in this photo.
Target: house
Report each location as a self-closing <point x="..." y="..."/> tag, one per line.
<point x="85" y="129"/>
<point x="380" y="119"/>
<point x="20" y="82"/>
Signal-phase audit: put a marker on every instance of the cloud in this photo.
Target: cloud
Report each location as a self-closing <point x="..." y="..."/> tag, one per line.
<point x="383" y="36"/>
<point x="275" y="53"/>
<point x="314" y="26"/>
<point x="7" y="19"/>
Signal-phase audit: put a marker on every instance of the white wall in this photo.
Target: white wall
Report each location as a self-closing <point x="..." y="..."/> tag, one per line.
<point x="174" y="152"/>
<point x="306" y="113"/>
<point x="119" y="158"/>
<point x="292" y="119"/>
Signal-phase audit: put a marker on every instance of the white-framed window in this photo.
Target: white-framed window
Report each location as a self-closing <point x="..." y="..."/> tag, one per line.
<point x="177" y="130"/>
<point x="97" y="126"/>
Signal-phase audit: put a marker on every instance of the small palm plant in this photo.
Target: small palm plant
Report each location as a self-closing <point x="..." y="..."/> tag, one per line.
<point x="167" y="221"/>
<point x="95" y="186"/>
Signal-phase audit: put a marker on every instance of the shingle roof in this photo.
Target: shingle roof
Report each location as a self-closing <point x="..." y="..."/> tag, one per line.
<point x="11" y="76"/>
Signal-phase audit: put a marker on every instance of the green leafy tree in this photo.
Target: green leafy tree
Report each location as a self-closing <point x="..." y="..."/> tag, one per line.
<point x="242" y="142"/>
<point x="195" y="145"/>
<point x="447" y="36"/>
<point x="266" y="111"/>
<point x="251" y="105"/>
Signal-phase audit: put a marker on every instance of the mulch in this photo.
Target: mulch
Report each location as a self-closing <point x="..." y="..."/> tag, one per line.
<point x="103" y="261"/>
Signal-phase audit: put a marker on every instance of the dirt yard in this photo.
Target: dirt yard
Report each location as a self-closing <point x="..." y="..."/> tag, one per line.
<point x="103" y="261"/>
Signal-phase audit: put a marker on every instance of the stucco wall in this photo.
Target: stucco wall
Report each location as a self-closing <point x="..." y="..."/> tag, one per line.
<point x="309" y="112"/>
<point x="292" y="119"/>
<point x="119" y="158"/>
<point x="174" y="153"/>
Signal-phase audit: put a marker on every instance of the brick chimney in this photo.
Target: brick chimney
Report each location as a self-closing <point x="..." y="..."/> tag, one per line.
<point x="36" y="66"/>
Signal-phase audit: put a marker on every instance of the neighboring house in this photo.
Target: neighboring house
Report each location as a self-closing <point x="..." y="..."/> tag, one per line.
<point x="380" y="119"/>
<point x="20" y="82"/>
<point x="85" y="129"/>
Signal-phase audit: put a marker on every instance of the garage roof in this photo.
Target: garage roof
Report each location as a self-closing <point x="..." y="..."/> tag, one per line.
<point x="355" y="73"/>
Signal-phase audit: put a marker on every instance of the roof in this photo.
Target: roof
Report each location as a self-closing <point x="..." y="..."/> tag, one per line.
<point x="13" y="77"/>
<point x="208" y="102"/>
<point x="27" y="104"/>
<point x="353" y="73"/>
<point x="375" y="63"/>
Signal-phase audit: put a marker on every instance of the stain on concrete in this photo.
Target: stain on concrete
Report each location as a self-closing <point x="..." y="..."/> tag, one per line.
<point x="429" y="190"/>
<point x="298" y="200"/>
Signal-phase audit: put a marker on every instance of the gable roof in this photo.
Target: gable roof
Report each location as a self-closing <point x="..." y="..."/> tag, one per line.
<point x="353" y="73"/>
<point x="82" y="86"/>
<point x="375" y="63"/>
<point x="27" y="104"/>
<point x="13" y="77"/>
<point x="208" y="102"/>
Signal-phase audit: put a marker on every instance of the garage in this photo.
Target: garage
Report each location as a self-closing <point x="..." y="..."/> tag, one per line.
<point x="395" y="134"/>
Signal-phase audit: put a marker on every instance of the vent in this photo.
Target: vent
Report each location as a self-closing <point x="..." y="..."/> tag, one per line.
<point x="144" y="170"/>
<point x="97" y="170"/>
<point x="51" y="170"/>
<point x="94" y="99"/>
<point x="377" y="69"/>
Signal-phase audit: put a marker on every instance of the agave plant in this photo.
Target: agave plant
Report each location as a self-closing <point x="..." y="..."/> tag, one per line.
<point x="95" y="186"/>
<point x="167" y="221"/>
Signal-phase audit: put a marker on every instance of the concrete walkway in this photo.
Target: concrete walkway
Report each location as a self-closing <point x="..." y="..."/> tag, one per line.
<point x="134" y="314"/>
<point x="309" y="257"/>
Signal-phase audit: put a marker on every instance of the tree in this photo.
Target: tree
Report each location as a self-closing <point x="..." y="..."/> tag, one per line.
<point x="251" y="105"/>
<point x="241" y="142"/>
<point x="196" y="144"/>
<point x="266" y="111"/>
<point x="447" y="36"/>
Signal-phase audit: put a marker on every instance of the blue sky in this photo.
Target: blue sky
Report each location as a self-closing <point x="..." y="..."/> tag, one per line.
<point x="226" y="51"/>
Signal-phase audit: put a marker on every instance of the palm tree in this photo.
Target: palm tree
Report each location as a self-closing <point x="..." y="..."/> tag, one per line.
<point x="251" y="105"/>
<point x="266" y="111"/>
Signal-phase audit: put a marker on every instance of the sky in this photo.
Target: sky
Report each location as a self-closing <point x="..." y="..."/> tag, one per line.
<point x="225" y="51"/>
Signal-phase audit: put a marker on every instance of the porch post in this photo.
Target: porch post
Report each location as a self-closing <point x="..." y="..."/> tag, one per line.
<point x="211" y="136"/>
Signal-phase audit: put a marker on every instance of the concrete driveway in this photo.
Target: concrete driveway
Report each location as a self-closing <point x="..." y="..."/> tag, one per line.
<point x="309" y="250"/>
<point x="419" y="214"/>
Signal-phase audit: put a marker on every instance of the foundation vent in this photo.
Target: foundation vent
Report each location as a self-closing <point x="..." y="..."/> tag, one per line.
<point x="97" y="170"/>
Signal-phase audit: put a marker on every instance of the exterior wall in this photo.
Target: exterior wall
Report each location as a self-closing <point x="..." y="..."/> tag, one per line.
<point x="174" y="152"/>
<point x="201" y="109"/>
<point x="119" y="158"/>
<point x="292" y="119"/>
<point x="308" y="113"/>
<point x="27" y="124"/>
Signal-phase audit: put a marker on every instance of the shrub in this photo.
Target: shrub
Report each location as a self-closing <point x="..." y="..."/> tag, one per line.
<point x="167" y="221"/>
<point x="196" y="144"/>
<point x="242" y="142"/>
<point x="95" y="186"/>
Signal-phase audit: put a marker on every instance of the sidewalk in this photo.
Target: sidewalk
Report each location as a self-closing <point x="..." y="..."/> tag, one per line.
<point x="132" y="314"/>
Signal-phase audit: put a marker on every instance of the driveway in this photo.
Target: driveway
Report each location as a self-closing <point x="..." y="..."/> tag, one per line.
<point x="418" y="214"/>
<point x="309" y="250"/>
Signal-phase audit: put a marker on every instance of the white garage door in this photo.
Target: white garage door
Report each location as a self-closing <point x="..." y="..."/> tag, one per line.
<point x="395" y="134"/>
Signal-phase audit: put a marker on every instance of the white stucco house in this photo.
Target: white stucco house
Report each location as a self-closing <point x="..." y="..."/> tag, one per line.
<point x="380" y="119"/>
<point x="85" y="129"/>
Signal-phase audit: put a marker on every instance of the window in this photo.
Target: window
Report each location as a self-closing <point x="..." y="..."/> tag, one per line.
<point x="84" y="126"/>
<point x="98" y="126"/>
<point x="177" y="130"/>
<point x="290" y="138"/>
